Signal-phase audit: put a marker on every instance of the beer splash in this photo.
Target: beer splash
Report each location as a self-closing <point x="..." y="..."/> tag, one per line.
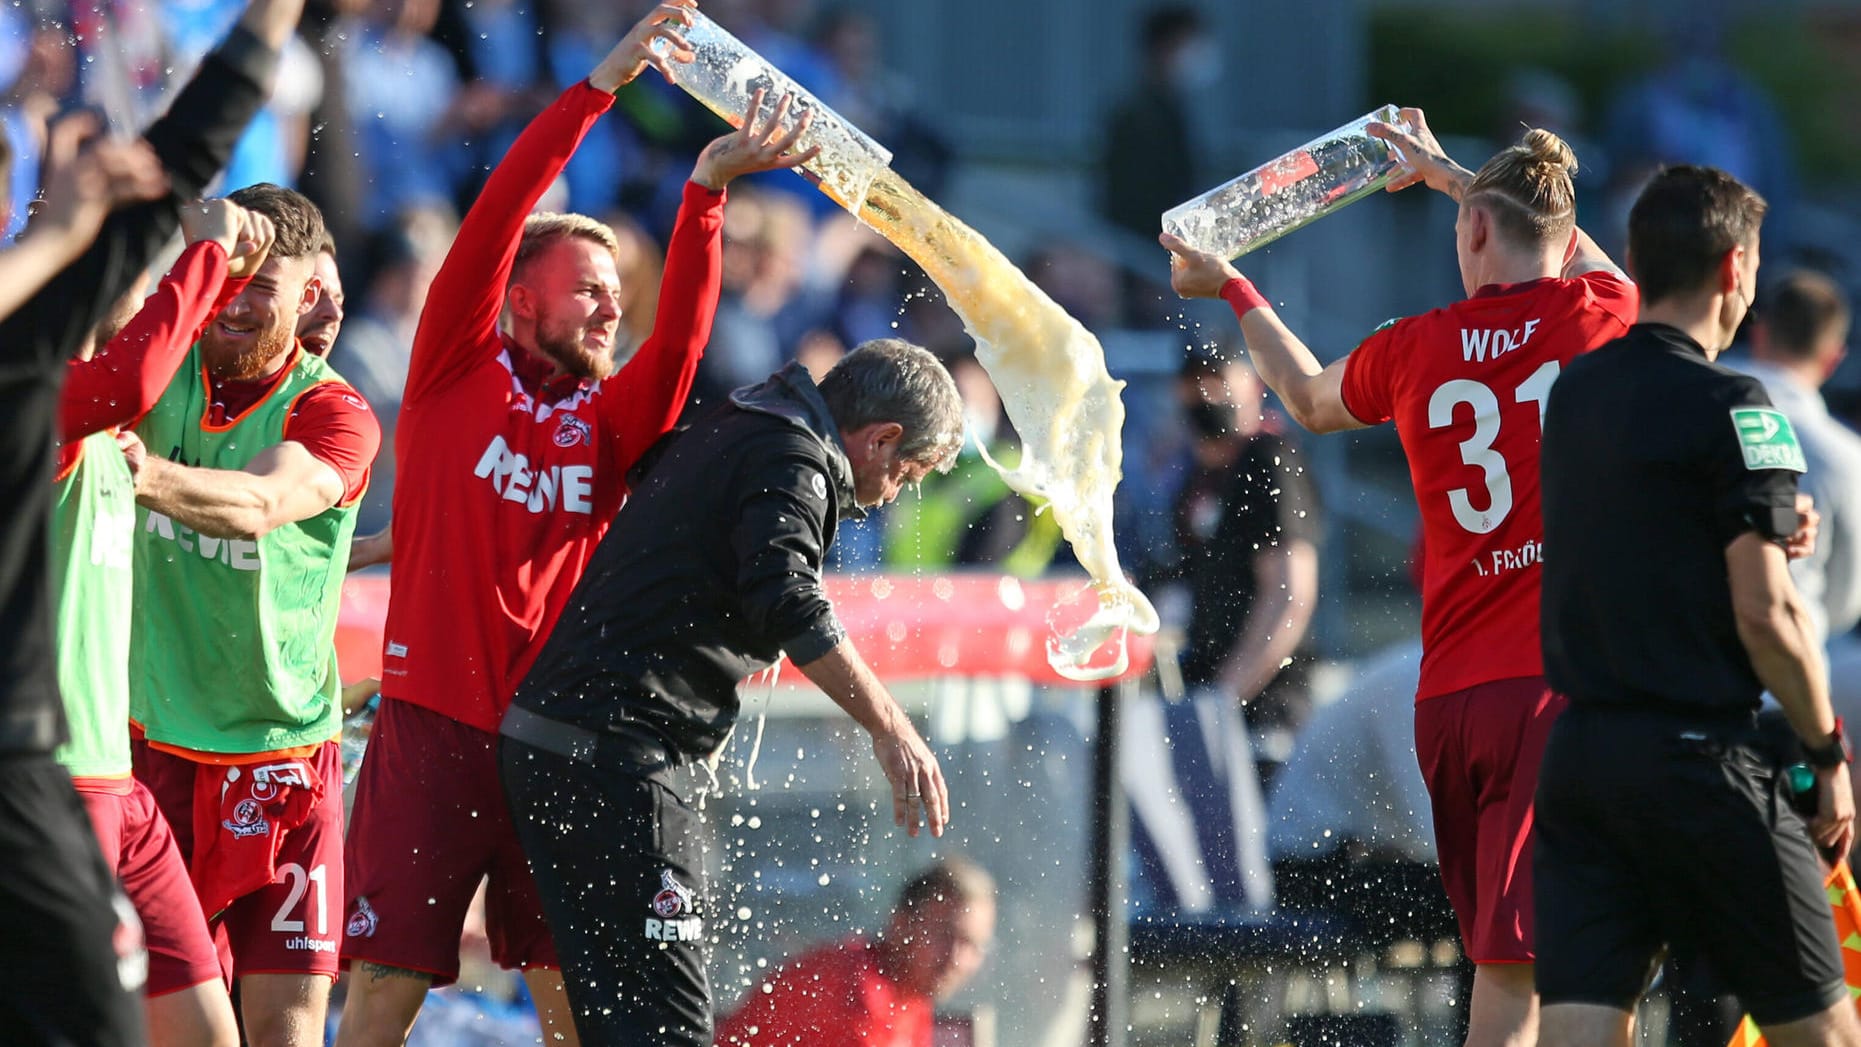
<point x="1049" y="369"/>
<point x="1065" y="405"/>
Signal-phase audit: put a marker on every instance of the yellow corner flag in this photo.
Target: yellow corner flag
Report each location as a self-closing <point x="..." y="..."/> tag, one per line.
<point x="1845" y="899"/>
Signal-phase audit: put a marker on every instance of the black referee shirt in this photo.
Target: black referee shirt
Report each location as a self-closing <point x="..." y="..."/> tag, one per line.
<point x="1654" y="460"/>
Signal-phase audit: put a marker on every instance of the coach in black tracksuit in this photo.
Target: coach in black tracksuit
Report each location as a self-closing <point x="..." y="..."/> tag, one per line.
<point x="1669" y="495"/>
<point x="709" y="574"/>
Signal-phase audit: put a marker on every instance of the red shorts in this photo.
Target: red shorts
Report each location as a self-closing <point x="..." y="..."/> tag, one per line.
<point x="287" y="926"/>
<point x="1479" y="750"/>
<point x="429" y="822"/>
<point x="140" y="848"/>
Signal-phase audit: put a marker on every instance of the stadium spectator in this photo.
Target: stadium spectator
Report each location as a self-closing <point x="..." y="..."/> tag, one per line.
<point x="1467" y="384"/>
<point x="875" y="99"/>
<point x="1801" y="336"/>
<point x="880" y="991"/>
<point x="377" y="346"/>
<point x="318" y="328"/>
<point x="43" y="78"/>
<point x="404" y="85"/>
<point x="711" y="572"/>
<point x="251" y="465"/>
<point x="516" y="437"/>
<point x="1247" y="535"/>
<point x="1150" y="153"/>
<point x="272" y="149"/>
<point x="766" y="238"/>
<point x="1664" y="659"/>
<point x="1698" y="108"/>
<point x="69" y="943"/>
<point x="114" y="381"/>
<point x="641" y="266"/>
<point x="969" y="517"/>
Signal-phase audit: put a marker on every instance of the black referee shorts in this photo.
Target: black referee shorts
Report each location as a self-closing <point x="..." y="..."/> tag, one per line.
<point x="619" y="863"/>
<point x="1660" y="829"/>
<point x="71" y="958"/>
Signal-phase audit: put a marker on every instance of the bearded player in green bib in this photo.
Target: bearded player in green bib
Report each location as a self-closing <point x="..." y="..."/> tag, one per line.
<point x="256" y="457"/>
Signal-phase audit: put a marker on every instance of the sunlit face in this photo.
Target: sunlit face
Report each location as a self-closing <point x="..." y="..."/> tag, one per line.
<point x="571" y="294"/>
<point x="260" y="325"/>
<point x="944" y="942"/>
<point x="318" y="327"/>
<point x="879" y="472"/>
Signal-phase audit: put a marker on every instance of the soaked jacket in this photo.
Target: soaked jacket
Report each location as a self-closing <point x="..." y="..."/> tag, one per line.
<point x="711" y="572"/>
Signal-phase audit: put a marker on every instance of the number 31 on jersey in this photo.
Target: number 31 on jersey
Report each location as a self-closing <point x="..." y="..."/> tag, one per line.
<point x="1477" y="450"/>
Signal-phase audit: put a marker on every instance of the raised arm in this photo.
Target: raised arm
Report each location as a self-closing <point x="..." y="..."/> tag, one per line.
<point x="84" y="182"/>
<point x="460" y="319"/>
<point x="652" y="388"/>
<point x="1427" y="163"/>
<point x="226" y="245"/>
<point x="1313" y="393"/>
<point x="193" y="140"/>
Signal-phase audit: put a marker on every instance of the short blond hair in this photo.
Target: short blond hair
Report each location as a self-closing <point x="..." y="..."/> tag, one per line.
<point x="1534" y="181"/>
<point x="545" y="229"/>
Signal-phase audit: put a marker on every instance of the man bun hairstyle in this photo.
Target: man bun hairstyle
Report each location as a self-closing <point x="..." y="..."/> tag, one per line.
<point x="1529" y="189"/>
<point x="298" y="223"/>
<point x="1683" y="224"/>
<point x="891" y="380"/>
<point x="545" y="229"/>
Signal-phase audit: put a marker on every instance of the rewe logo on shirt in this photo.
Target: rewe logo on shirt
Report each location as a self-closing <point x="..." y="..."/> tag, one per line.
<point x="1479" y="344"/>
<point x="241" y="554"/>
<point x="538" y="490"/>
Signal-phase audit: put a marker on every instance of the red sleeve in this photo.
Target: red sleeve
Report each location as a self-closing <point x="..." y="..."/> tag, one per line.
<point x="462" y="305"/>
<point x="1369" y="387"/>
<point x="645" y="398"/>
<point x="337" y="426"/>
<point x="1612" y="294"/>
<point x="124" y="379"/>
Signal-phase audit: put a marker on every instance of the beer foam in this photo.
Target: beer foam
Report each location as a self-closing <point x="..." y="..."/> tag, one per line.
<point x="1065" y="405"/>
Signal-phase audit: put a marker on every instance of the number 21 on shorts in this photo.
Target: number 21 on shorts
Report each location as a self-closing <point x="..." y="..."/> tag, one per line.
<point x="301" y="883"/>
<point x="1477" y="450"/>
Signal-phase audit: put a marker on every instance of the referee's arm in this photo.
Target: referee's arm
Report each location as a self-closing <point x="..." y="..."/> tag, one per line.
<point x="1774" y="627"/>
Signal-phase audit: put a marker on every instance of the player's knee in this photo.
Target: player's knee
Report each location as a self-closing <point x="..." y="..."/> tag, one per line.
<point x="381" y="1005"/>
<point x="199" y="1016"/>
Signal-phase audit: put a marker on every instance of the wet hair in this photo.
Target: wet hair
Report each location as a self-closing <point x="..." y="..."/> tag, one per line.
<point x="298" y="222"/>
<point x="957" y="878"/>
<point x="545" y="229"/>
<point x="1528" y="189"/>
<point x="891" y="380"/>
<point x="1683" y="224"/>
<point x="1800" y="311"/>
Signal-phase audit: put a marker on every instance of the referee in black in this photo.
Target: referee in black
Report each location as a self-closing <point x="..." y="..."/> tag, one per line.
<point x="1669" y="499"/>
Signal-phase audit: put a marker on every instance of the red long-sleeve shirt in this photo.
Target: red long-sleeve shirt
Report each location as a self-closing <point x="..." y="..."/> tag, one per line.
<point x="119" y="384"/>
<point x="504" y="488"/>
